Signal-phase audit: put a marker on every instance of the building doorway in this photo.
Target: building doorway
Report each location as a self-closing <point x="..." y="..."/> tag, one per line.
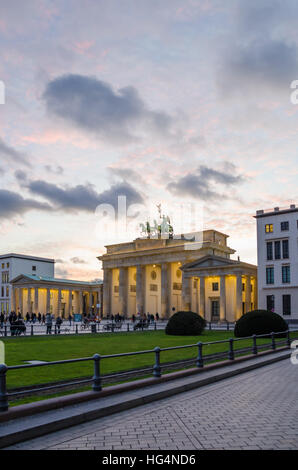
<point x="214" y="310"/>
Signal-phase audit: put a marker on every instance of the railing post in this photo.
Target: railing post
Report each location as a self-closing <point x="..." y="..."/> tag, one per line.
<point x="55" y="329"/>
<point x="32" y="331"/>
<point x="127" y="326"/>
<point x="228" y="326"/>
<point x="273" y="346"/>
<point x="157" y="368"/>
<point x="77" y="331"/>
<point x="155" y="326"/>
<point x="112" y="327"/>
<point x="5" y="330"/>
<point x="288" y="338"/>
<point x="3" y="391"/>
<point x="200" y="362"/>
<point x="254" y="348"/>
<point x="96" y="377"/>
<point x="231" y="349"/>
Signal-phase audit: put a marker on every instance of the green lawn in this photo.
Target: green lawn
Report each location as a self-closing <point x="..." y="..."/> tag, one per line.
<point x="45" y="348"/>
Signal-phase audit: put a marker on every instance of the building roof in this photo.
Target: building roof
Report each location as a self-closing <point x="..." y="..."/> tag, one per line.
<point x="275" y="211"/>
<point x="55" y="280"/>
<point x="33" y="258"/>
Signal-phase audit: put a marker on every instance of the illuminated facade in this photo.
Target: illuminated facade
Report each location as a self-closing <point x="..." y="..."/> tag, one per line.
<point x="166" y="275"/>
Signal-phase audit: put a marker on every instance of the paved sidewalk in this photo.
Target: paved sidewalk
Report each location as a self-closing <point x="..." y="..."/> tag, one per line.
<point x="254" y="410"/>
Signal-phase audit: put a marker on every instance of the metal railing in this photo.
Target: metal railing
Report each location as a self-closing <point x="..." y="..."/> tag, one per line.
<point x="39" y="329"/>
<point x="200" y="360"/>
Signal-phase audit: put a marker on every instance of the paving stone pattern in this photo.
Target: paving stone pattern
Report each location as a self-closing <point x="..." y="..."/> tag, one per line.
<point x="254" y="410"/>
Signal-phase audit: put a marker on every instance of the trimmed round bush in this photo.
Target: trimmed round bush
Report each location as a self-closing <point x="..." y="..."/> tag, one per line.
<point x="259" y="322"/>
<point x="185" y="324"/>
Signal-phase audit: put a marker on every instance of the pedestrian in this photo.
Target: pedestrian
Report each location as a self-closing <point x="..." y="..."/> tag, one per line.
<point x="49" y="323"/>
<point x="59" y="322"/>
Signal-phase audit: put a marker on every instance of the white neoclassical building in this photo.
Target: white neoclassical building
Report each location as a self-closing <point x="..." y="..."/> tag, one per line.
<point x="61" y="297"/>
<point x="167" y="275"/>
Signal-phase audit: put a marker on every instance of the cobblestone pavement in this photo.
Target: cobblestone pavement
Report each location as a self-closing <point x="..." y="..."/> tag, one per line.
<point x="255" y="410"/>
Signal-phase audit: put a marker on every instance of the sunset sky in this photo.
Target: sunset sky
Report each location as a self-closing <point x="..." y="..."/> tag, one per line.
<point x="171" y="101"/>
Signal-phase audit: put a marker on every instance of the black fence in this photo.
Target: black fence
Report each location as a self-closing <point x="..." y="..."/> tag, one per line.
<point x="200" y="360"/>
<point x="66" y="328"/>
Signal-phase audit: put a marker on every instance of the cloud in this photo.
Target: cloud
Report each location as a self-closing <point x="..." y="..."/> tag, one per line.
<point x="83" y="197"/>
<point x="9" y="155"/>
<point x="259" y="66"/>
<point x="56" y="171"/>
<point x="92" y="105"/>
<point x="12" y="204"/>
<point x="200" y="184"/>
<point x="77" y="260"/>
<point x="127" y="174"/>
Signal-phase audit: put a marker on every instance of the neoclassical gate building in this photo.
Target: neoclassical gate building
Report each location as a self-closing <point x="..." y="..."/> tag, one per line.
<point x="166" y="275"/>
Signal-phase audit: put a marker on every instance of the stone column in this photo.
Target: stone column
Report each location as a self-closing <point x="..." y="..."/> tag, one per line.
<point x="36" y="300"/>
<point x="202" y="297"/>
<point x="13" y="300"/>
<point x="29" y="300"/>
<point x="123" y="287"/>
<point x="165" y="288"/>
<point x="140" y="289"/>
<point x="186" y="289"/>
<point x="59" y="303"/>
<point x="247" y="294"/>
<point x="80" y="302"/>
<point x="48" y="304"/>
<point x="69" y="301"/>
<point x="238" y="296"/>
<point x="106" y="292"/>
<point x="255" y="293"/>
<point x="222" y="299"/>
<point x="21" y="306"/>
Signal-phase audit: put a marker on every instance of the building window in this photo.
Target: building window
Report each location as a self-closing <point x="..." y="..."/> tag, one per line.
<point x="153" y="275"/>
<point x="153" y="287"/>
<point x="284" y="226"/>
<point x="7" y="265"/>
<point x="177" y="286"/>
<point x="269" y="251"/>
<point x="133" y="288"/>
<point x="286" y="274"/>
<point x="286" y="305"/>
<point x="5" y="278"/>
<point x="268" y="228"/>
<point x="270" y="303"/>
<point x="285" y="249"/>
<point x="215" y="286"/>
<point x="33" y="268"/>
<point x="277" y="249"/>
<point x="2" y="265"/>
<point x="270" y="275"/>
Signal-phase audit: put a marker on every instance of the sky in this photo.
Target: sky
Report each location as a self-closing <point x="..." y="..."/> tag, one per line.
<point x="162" y="101"/>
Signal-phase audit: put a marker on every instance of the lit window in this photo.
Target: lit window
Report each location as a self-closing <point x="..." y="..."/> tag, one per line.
<point x="269" y="228"/>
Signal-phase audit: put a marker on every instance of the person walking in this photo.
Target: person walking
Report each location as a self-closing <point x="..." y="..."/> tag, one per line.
<point x="49" y="323"/>
<point x="59" y="322"/>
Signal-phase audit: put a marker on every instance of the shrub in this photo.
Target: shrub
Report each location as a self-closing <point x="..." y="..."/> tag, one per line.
<point x="259" y="322"/>
<point x="185" y="324"/>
